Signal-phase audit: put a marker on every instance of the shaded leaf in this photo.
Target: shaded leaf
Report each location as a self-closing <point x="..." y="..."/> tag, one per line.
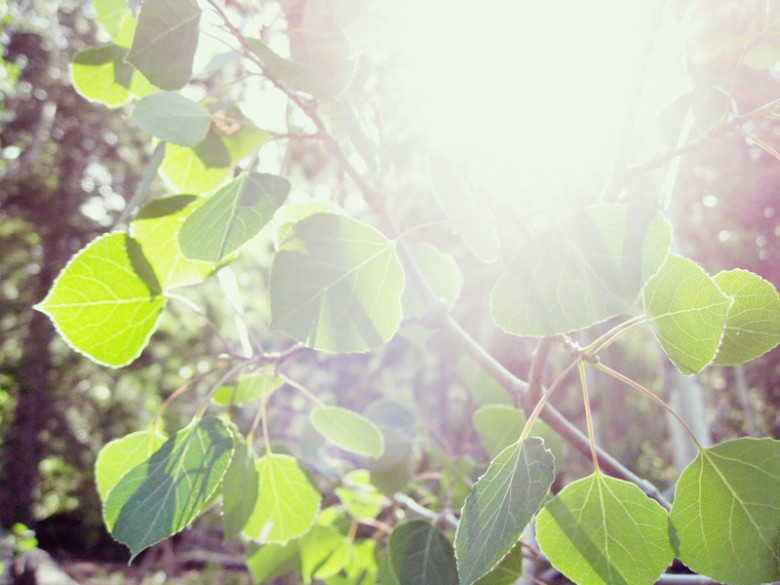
<point x="119" y="456"/>
<point x="420" y="555"/>
<point x="156" y="228"/>
<point x="336" y="285"/>
<point x="498" y="426"/>
<point x="398" y="425"/>
<point x="232" y="216"/>
<point x="500" y="506"/>
<point x="106" y="302"/>
<point x="269" y="561"/>
<point x="687" y="311"/>
<point x="165" y="41"/>
<point x="172" y="117"/>
<point x="605" y="531"/>
<point x="239" y="489"/>
<point x="725" y="518"/>
<point x="348" y="430"/>
<point x="287" y="505"/>
<point x="164" y="494"/>
<point x="587" y="269"/>
<point x="508" y="571"/>
<point x="753" y="320"/>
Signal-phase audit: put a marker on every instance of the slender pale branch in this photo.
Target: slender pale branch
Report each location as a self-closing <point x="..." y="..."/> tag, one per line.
<point x="588" y="417"/>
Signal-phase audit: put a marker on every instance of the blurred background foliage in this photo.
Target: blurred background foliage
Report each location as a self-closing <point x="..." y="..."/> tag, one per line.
<point x="67" y="168"/>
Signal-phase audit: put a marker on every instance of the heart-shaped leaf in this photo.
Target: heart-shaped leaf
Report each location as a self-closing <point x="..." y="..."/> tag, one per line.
<point x="336" y="285"/>
<point x="120" y="455"/>
<point x="604" y="531"/>
<point x="172" y="117"/>
<point x="725" y="518"/>
<point x="687" y="311"/>
<point x="348" y="430"/>
<point x="106" y="302"/>
<point x="165" y="493"/>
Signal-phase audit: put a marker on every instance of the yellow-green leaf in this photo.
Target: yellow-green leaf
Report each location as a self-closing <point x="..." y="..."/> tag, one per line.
<point x="107" y="301"/>
<point x="120" y="455"/>
<point x="348" y="430"/>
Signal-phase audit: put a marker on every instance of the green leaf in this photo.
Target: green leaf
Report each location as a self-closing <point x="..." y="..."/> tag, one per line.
<point x="239" y="489"/>
<point x="101" y="75"/>
<point x="172" y="117"/>
<point x="336" y="285"/>
<point x="272" y="560"/>
<point x="587" y="269"/>
<point x="440" y="272"/>
<point x="249" y="387"/>
<point x="604" y="531"/>
<point x="106" y="302"/>
<point x="508" y="570"/>
<point x="165" y="493"/>
<point x="498" y="426"/>
<point x="464" y="207"/>
<point x="110" y="13"/>
<point x="420" y="555"/>
<point x="753" y="320"/>
<point x="201" y="168"/>
<point x="359" y="496"/>
<point x="323" y="82"/>
<point x="288" y="504"/>
<point x="725" y="518"/>
<point x="232" y="216"/>
<point x="500" y="505"/>
<point x="398" y="425"/>
<point x="348" y="430"/>
<point x="120" y="455"/>
<point x="289" y="215"/>
<point x="687" y="311"/>
<point x="155" y="228"/>
<point x="324" y="552"/>
<point x="362" y="567"/>
<point x="165" y="41"/>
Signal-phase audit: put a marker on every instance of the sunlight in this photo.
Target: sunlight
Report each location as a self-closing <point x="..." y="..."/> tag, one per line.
<point x="527" y="94"/>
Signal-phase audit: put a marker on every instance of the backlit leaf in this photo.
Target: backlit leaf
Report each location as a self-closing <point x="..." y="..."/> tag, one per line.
<point x="110" y="13"/>
<point x="420" y="555"/>
<point x="165" y="41"/>
<point x="287" y="504"/>
<point x="250" y="387"/>
<point x="348" y="430"/>
<point x="120" y="455"/>
<point x="156" y="228"/>
<point x="201" y="168"/>
<point x="106" y="302"/>
<point x="753" y="320"/>
<point x="165" y="493"/>
<point x="687" y="311"/>
<point x="463" y="206"/>
<point x="232" y="216"/>
<point x="605" y="531"/>
<point x="324" y="552"/>
<point x="359" y="496"/>
<point x="725" y="518"/>
<point x="498" y="426"/>
<point x="172" y="117"/>
<point x="500" y="506"/>
<point x="587" y="269"/>
<point x="440" y="272"/>
<point x="336" y="285"/>
<point x="239" y="489"/>
<point x="101" y="75"/>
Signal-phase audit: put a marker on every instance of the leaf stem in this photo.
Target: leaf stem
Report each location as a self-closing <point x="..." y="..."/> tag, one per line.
<point x="588" y="417"/>
<point x="605" y="340"/>
<point x="300" y="388"/>
<point x="545" y="397"/>
<point x="637" y="386"/>
<point x="178" y="392"/>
